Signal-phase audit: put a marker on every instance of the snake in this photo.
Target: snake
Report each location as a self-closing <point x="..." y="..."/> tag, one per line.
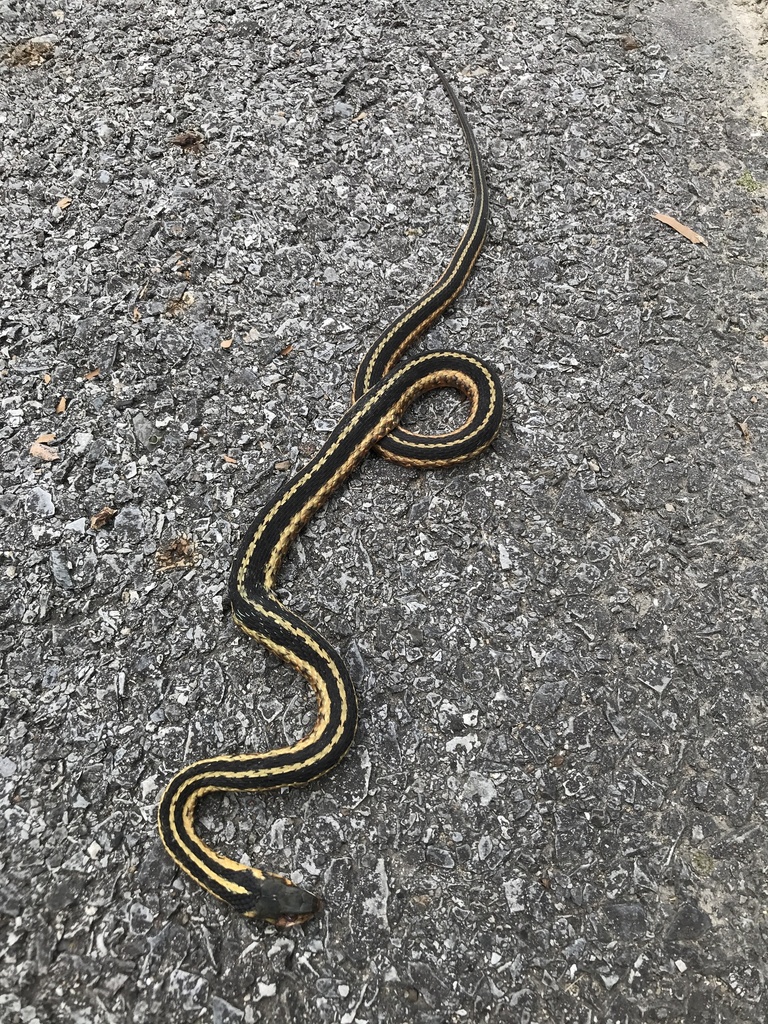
<point x="387" y="382"/>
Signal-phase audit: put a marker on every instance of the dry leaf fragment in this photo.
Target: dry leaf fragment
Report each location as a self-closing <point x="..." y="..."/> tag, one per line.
<point x="64" y="202"/>
<point x="45" y="438"/>
<point x="686" y="232"/>
<point x="177" y="306"/>
<point x="61" y="405"/>
<point x="190" y="141"/>
<point x="33" y="52"/>
<point x="226" y="343"/>
<point x="179" y="553"/>
<point x="43" y="452"/>
<point x="744" y="428"/>
<point x="46" y="378"/>
<point x="92" y="374"/>
<point x="100" y="520"/>
<point x="286" y="351"/>
<point x="230" y="460"/>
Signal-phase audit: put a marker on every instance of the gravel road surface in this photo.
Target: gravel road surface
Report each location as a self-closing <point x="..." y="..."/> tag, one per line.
<point x="554" y="812"/>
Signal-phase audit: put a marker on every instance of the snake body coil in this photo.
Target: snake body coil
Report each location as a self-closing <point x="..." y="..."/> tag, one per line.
<point x="384" y="388"/>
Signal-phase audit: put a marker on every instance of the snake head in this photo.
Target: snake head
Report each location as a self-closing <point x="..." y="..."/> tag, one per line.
<point x="276" y="900"/>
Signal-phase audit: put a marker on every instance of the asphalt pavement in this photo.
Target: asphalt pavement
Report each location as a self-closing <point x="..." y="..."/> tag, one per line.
<point x="554" y="810"/>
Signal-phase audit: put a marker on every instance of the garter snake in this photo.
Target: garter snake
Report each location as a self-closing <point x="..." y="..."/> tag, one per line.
<point x="385" y="386"/>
